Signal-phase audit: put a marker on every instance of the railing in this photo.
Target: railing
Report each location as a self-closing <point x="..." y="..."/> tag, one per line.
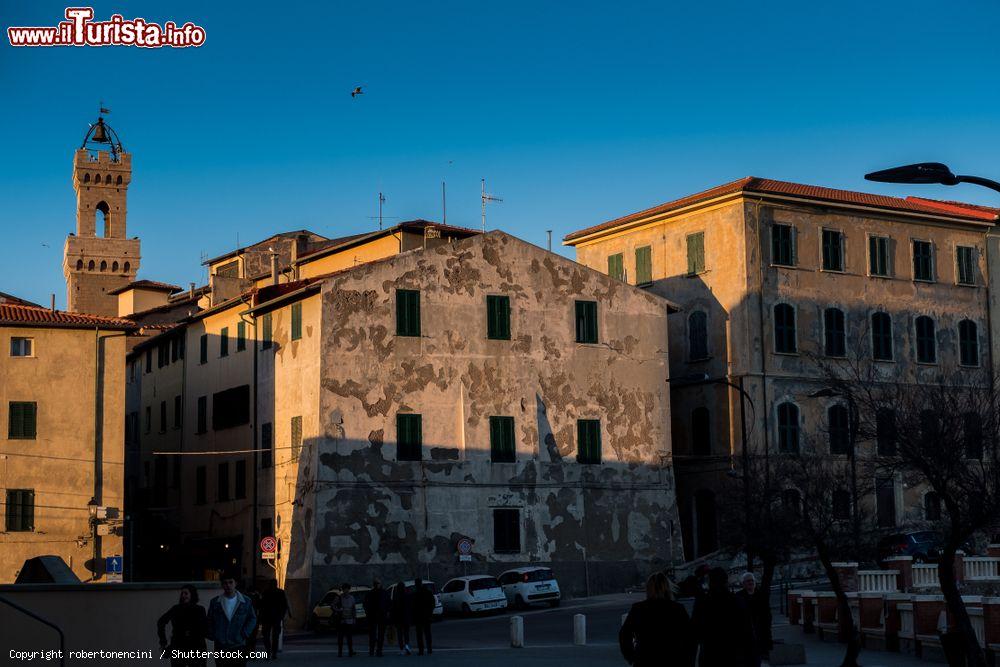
<point x="31" y="614"/>
<point x="981" y="568"/>
<point x="978" y="624"/>
<point x="925" y="576"/>
<point x="878" y="581"/>
<point x="905" y="619"/>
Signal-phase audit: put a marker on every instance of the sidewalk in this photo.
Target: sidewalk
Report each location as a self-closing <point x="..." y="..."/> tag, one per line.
<point x="830" y="654"/>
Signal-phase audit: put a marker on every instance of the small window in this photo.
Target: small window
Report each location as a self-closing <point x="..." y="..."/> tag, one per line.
<point x="791" y="501"/>
<point x="118" y="181"/>
<point x="841" y="505"/>
<point x="879" y="256"/>
<point x="784" y="329"/>
<point x="241" y="336"/>
<point x="697" y="336"/>
<point x="968" y="343"/>
<point x="20" y="510"/>
<point x="178" y="412"/>
<point x="229" y="270"/>
<point x="104" y="265"/>
<point x="926" y="341"/>
<point x="881" y="337"/>
<point x="506" y="531"/>
<point x="265" y="331"/>
<point x="932" y="506"/>
<point x="149" y="360"/>
<point x="149" y="418"/>
<point x="972" y="435"/>
<point x="163" y="416"/>
<point x="407" y="312"/>
<point x="502" y="448"/>
<point x="923" y="261"/>
<point x="126" y="267"/>
<point x="834" y="331"/>
<point x="409" y="437"/>
<point x="788" y="428"/>
<point x="295" y="436"/>
<point x="586" y="322"/>
<point x="885" y="431"/>
<point x="90" y="265"/>
<point x="222" y="491"/>
<point x="202" y="414"/>
<point x="616" y="266"/>
<point x="86" y="178"/>
<point x="107" y="179"/>
<point x="643" y="265"/>
<point x="22" y="420"/>
<point x="783" y="245"/>
<point x="231" y="407"/>
<point x="498" y="317"/>
<point x="296" y="321"/>
<point x="224" y="342"/>
<point x="200" y="479"/>
<point x="696" y="253"/>
<point x="588" y="441"/>
<point x="22" y="347"/>
<point x="838" y="423"/>
<point x="240" y="483"/>
<point x="833" y="250"/>
<point x="266" y="445"/>
<point x="965" y="258"/>
<point x="701" y="432"/>
<point x="204" y="349"/>
<point x="885" y="502"/>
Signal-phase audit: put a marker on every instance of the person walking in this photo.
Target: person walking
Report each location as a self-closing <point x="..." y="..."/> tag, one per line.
<point x="344" y="608"/>
<point x="423" y="614"/>
<point x="401" y="616"/>
<point x="188" y="626"/>
<point x="231" y="619"/>
<point x="376" y="604"/>
<point x="657" y="631"/>
<point x="722" y="627"/>
<point x="273" y="610"/>
<point x="756" y="605"/>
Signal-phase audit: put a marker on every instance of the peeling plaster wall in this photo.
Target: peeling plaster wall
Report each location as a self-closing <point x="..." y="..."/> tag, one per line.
<point x="599" y="526"/>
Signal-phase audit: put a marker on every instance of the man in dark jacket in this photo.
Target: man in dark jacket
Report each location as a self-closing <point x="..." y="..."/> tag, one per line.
<point x="273" y="610"/>
<point x="757" y="607"/>
<point x="231" y="619"/>
<point x="376" y="604"/>
<point x="402" y="616"/>
<point x="657" y="631"/>
<point x="423" y="614"/>
<point x="722" y="626"/>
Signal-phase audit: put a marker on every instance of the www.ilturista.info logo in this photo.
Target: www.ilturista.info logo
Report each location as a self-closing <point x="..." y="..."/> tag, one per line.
<point x="81" y="30"/>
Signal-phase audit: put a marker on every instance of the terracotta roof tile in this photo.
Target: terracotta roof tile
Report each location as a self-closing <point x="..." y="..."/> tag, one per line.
<point x="13" y="314"/>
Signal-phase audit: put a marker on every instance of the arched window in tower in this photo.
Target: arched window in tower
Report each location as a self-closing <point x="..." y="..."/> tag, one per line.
<point x="86" y="177"/>
<point x="97" y="179"/>
<point x="79" y="265"/>
<point x="90" y="265"/>
<point x="104" y="265"/>
<point x="107" y="179"/>
<point x="126" y="267"/>
<point x="119" y="181"/>
<point x="114" y="267"/>
<point x="105" y="212"/>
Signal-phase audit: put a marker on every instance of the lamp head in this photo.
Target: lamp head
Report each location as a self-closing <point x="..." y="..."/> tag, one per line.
<point x="921" y="173"/>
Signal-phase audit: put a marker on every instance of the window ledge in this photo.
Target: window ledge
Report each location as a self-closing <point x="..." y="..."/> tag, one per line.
<point x="972" y="285"/>
<point x="925" y="281"/>
<point x="787" y="354"/>
<point x="697" y="273"/>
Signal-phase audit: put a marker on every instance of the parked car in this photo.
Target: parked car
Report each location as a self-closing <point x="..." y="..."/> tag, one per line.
<point x="923" y="545"/>
<point x="524" y="586"/>
<point x="473" y="594"/>
<point x="323" y="617"/>
<point x="411" y="587"/>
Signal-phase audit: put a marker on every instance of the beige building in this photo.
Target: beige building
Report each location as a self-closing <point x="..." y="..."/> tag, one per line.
<point x="61" y="437"/>
<point x="768" y="273"/>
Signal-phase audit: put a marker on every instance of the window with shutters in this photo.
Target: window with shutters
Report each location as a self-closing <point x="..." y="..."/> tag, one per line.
<point x="200" y="484"/>
<point x="701" y="432"/>
<point x="295" y="436"/>
<point x="497" y="317"/>
<point x="224" y="342"/>
<point x="968" y="343"/>
<point x="834" y="333"/>
<point x="697" y="336"/>
<point x="788" y="428"/>
<point x="163" y="416"/>
<point x="265" y="331"/>
<point x="885" y="431"/>
<point x="643" y="265"/>
<point x="149" y="419"/>
<point x="178" y="412"/>
<point x="833" y="250"/>
<point x="241" y="336"/>
<point x="229" y="270"/>
<point x="696" y="253"/>
<point x="972" y="435"/>
<point x="204" y="349"/>
<point x="879" y="263"/>
<point x="149" y="360"/>
<point x="881" y="337"/>
<point x="409" y="437"/>
<point x="926" y="340"/>
<point x="923" y="261"/>
<point x="296" y="321"/>
<point x="407" y="312"/>
<point x="162" y="355"/>
<point x="240" y="483"/>
<point x="22" y="347"/>
<point x="885" y="502"/>
<point x="784" y="329"/>
<point x="965" y="258"/>
<point x="22" y="420"/>
<point x="841" y="505"/>
<point x="173" y="349"/>
<point x="222" y="490"/>
<point x="202" y="414"/>
<point x="932" y="506"/>
<point x="20" y="510"/>
<point x="160" y="481"/>
<point x="586" y="322"/>
<point x="839" y="429"/>
<point x="783" y="245"/>
<point x="616" y="266"/>
<point x="502" y="448"/>
<point x="266" y="445"/>
<point x="231" y="408"/>
<point x="588" y="441"/>
<point x="506" y="531"/>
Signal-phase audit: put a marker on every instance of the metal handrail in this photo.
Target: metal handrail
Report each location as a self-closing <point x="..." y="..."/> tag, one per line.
<point x="26" y="612"/>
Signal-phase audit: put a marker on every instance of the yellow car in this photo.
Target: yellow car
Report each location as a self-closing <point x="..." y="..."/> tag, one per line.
<point x="323" y="617"/>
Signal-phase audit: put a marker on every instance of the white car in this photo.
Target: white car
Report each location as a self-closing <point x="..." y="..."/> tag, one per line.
<point x="411" y="588"/>
<point x="477" y="593"/>
<point x="525" y="586"/>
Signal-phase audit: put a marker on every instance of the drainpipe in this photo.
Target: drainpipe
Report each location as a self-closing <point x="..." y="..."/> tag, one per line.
<point x="98" y="445"/>
<point x="255" y="537"/>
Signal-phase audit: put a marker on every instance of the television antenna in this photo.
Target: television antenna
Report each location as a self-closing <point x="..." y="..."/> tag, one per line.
<point x="380" y="217"/>
<point x="487" y="199"/>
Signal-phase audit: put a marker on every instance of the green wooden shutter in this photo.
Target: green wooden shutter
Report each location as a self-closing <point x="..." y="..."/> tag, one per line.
<point x="498" y="317"/>
<point x="696" y="253"/>
<point x="266" y="332"/>
<point x="15" y="421"/>
<point x="296" y="321"/>
<point x="643" y="265"/>
<point x="616" y="266"/>
<point x="407" y="312"/>
<point x="241" y="336"/>
<point x="204" y="348"/>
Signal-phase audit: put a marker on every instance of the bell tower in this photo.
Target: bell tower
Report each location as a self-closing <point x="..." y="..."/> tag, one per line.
<point x="99" y="257"/>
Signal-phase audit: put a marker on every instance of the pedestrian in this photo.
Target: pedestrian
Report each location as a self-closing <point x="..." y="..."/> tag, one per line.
<point x="376" y="604"/>
<point x="657" y="631"/>
<point x="344" y="608"/>
<point x="755" y="604"/>
<point x="231" y="619"/>
<point x="694" y="585"/>
<point x="401" y="616"/>
<point x="254" y="595"/>
<point x="188" y="626"/>
<point x="273" y="610"/>
<point x="722" y="627"/>
<point x="423" y="614"/>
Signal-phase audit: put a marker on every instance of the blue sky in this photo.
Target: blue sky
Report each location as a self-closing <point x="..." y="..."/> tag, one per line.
<point x="574" y="113"/>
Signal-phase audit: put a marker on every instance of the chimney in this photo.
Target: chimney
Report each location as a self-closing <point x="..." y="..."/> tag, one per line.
<point x="295" y="260"/>
<point x="191" y="290"/>
<point x="53" y="306"/>
<point x="274" y="267"/>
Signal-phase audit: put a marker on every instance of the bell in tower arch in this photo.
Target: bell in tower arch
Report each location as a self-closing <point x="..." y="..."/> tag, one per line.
<point x="100" y="133"/>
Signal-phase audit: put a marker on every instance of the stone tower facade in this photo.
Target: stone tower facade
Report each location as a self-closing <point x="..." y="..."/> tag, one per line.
<point x="99" y="257"/>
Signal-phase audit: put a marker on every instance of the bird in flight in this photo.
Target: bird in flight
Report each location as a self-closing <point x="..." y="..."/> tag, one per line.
<point x="356" y="91"/>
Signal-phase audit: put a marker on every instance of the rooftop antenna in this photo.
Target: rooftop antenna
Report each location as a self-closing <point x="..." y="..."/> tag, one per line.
<point x="487" y="198"/>
<point x="549" y="232"/>
<point x="380" y="217"/>
<point x="444" y="205"/>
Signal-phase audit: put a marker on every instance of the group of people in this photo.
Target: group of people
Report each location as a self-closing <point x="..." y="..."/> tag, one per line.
<point x="400" y="610"/>
<point x="231" y="623"/>
<point x="726" y="629"/>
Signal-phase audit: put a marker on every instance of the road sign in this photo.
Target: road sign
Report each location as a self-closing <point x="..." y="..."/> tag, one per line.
<point x="464" y="546"/>
<point x="465" y="558"/>
<point x="113" y="566"/>
<point x="268" y="545"/>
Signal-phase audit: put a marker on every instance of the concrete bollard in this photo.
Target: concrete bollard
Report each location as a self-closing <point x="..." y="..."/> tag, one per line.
<point x="517" y="632"/>
<point x="579" y="630"/>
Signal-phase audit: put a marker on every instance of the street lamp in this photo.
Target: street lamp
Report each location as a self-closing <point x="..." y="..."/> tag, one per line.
<point x="852" y="430"/>
<point x="924" y="173"/>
